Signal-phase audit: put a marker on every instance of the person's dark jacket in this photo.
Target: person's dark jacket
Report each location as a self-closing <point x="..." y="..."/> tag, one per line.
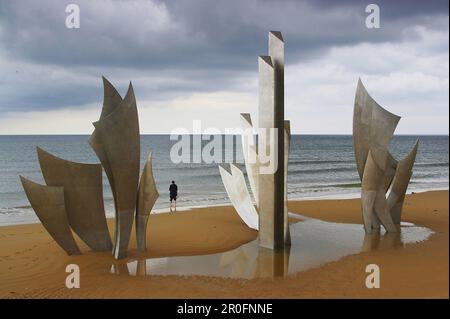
<point x="173" y="189"/>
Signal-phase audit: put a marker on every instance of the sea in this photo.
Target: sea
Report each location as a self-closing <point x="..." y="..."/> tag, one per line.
<point x="320" y="166"/>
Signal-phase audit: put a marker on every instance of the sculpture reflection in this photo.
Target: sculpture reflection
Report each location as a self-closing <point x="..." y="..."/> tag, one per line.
<point x="382" y="242"/>
<point x="314" y="243"/>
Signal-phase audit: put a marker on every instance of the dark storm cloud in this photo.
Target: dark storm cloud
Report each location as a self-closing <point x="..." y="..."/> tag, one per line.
<point x="197" y="34"/>
<point x="198" y="45"/>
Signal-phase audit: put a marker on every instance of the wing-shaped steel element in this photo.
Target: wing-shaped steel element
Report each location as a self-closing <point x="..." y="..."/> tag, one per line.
<point x="373" y="126"/>
<point x="147" y="196"/>
<point x="83" y="193"/>
<point x="111" y="100"/>
<point x="234" y="183"/>
<point x="48" y="203"/>
<point x="400" y="184"/>
<point x="250" y="154"/>
<point x="119" y="141"/>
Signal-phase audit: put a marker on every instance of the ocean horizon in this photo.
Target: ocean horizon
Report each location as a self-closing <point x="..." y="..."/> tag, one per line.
<point x="320" y="166"/>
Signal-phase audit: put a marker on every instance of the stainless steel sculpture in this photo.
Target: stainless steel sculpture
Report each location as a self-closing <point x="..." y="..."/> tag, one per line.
<point x="400" y="184"/>
<point x="83" y="195"/>
<point x="147" y="196"/>
<point x="273" y="232"/>
<point x="373" y="128"/>
<point x="234" y="182"/>
<point x="111" y="100"/>
<point x="116" y="142"/>
<point x="270" y="212"/>
<point x="268" y="185"/>
<point x="49" y="204"/>
<point x="78" y="189"/>
<point x="373" y="188"/>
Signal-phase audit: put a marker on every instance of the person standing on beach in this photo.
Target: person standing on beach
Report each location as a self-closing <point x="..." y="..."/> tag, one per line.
<point x="173" y="190"/>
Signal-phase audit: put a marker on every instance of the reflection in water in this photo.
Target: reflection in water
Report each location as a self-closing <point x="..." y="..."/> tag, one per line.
<point x="314" y="243"/>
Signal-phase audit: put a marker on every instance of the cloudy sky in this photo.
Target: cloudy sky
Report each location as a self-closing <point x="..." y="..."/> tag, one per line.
<point x="197" y="60"/>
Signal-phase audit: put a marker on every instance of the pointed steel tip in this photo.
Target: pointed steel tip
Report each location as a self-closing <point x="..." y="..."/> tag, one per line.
<point x="360" y="83"/>
<point x="410" y="157"/>
<point x="130" y="92"/>
<point x="416" y="145"/>
<point x="267" y="59"/>
<point x="27" y="182"/>
<point x="106" y="82"/>
<point x="225" y="167"/>
<point x="247" y="117"/>
<point x="24" y="181"/>
<point x="40" y="150"/>
<point x="277" y="34"/>
<point x="360" y="88"/>
<point x="130" y="88"/>
<point x="234" y="167"/>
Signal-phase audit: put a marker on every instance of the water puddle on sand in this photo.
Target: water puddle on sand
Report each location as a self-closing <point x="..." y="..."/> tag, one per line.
<point x="314" y="243"/>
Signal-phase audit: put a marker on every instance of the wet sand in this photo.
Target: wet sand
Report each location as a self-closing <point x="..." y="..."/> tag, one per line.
<point x="33" y="266"/>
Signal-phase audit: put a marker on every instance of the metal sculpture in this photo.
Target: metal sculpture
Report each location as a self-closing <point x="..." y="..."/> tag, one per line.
<point x="116" y="139"/>
<point x="268" y="184"/>
<point x="49" y="204"/>
<point x="147" y="196"/>
<point x="83" y="195"/>
<point x="400" y="184"/>
<point x="234" y="182"/>
<point x="74" y="191"/>
<point x="373" y="128"/>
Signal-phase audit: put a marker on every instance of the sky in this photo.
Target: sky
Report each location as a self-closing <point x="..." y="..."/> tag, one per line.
<point x="197" y="60"/>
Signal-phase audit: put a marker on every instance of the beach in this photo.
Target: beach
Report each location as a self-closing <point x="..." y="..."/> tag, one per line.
<point x="33" y="266"/>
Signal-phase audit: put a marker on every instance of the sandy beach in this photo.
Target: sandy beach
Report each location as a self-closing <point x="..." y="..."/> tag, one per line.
<point x="33" y="266"/>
